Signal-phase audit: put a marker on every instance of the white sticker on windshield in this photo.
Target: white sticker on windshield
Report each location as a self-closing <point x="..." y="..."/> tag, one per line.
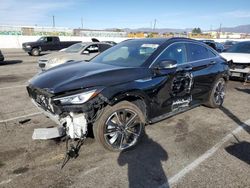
<point x="150" y="45"/>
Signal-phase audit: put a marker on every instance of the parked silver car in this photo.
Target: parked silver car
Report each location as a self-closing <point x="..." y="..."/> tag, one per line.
<point x="77" y="52"/>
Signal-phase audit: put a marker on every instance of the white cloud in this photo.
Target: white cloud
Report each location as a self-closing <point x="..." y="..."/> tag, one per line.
<point x="237" y="14"/>
<point x="29" y="12"/>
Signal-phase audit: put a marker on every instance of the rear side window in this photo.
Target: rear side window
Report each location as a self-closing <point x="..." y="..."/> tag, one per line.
<point x="49" y="39"/>
<point x="103" y="47"/>
<point x="175" y="52"/>
<point x="198" y="52"/>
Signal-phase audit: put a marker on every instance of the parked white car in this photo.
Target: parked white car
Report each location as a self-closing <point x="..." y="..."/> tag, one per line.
<point x="240" y="56"/>
<point x="76" y="52"/>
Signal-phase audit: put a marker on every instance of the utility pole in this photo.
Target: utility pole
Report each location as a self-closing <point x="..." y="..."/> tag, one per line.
<point x="154" y="24"/>
<point x="82" y="22"/>
<point x="220" y="31"/>
<point x="54" y="24"/>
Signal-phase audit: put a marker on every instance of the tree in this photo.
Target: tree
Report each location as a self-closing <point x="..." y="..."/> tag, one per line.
<point x="196" y="30"/>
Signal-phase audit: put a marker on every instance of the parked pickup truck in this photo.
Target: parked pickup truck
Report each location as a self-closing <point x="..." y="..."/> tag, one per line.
<point x="45" y="44"/>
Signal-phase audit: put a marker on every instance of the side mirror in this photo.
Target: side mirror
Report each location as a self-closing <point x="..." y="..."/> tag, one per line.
<point x="167" y="64"/>
<point x="86" y="52"/>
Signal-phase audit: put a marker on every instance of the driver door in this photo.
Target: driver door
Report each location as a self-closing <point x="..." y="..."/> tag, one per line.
<point x="174" y="94"/>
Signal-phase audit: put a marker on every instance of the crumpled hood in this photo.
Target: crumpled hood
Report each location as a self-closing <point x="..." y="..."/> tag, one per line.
<point x="237" y="57"/>
<point x="78" y="75"/>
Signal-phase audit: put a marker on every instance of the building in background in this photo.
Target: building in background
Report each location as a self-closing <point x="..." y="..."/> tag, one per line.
<point x="98" y="33"/>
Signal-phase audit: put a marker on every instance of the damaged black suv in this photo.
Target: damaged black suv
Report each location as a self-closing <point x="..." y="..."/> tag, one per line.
<point x="134" y="83"/>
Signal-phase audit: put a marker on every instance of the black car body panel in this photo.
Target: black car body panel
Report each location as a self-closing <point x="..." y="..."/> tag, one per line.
<point x="164" y="91"/>
<point x="49" y="43"/>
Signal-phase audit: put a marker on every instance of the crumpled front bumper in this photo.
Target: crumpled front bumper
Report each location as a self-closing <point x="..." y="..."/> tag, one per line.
<point x="75" y="124"/>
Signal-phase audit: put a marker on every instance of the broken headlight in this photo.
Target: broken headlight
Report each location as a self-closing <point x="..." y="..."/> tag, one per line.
<point x="79" y="98"/>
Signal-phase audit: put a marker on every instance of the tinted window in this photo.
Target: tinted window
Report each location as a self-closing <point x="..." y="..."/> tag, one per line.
<point x="49" y="39"/>
<point x="211" y="54"/>
<point x="175" y="52"/>
<point x="197" y="52"/>
<point x="103" y="47"/>
<point x="243" y="47"/>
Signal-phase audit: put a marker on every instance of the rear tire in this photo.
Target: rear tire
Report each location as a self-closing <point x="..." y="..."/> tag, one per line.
<point x="217" y="94"/>
<point x="119" y="127"/>
<point x="35" y="52"/>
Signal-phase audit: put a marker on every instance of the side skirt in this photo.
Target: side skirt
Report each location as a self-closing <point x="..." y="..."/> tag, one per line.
<point x="170" y="114"/>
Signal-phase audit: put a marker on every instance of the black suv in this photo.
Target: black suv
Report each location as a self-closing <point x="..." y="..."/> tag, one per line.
<point x="134" y="83"/>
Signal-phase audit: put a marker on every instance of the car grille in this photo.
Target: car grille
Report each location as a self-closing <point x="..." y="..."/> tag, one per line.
<point x="41" y="98"/>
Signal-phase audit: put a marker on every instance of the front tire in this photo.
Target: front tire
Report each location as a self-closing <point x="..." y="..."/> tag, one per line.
<point x="35" y="52"/>
<point x="119" y="127"/>
<point x="217" y="94"/>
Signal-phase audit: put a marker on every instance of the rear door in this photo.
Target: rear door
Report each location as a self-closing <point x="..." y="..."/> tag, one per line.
<point x="203" y="62"/>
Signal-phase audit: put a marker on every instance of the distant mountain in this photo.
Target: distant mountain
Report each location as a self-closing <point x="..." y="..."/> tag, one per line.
<point x="237" y="29"/>
<point x="158" y="30"/>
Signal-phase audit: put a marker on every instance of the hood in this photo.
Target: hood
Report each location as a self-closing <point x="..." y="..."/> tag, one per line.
<point x="30" y="43"/>
<point x="63" y="56"/>
<point x="237" y="57"/>
<point x="52" y="55"/>
<point x="78" y="75"/>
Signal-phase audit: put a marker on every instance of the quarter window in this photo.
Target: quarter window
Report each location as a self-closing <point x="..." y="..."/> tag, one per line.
<point x="197" y="52"/>
<point x="175" y="52"/>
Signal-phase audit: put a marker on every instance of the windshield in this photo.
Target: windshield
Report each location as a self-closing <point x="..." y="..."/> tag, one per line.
<point x="242" y="47"/>
<point x="131" y="53"/>
<point x="75" y="48"/>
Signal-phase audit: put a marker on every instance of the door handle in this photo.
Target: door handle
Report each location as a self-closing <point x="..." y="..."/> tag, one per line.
<point x="180" y="69"/>
<point x="188" y="68"/>
<point x="212" y="62"/>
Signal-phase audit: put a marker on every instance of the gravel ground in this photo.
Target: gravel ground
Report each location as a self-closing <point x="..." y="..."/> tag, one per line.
<point x="168" y="148"/>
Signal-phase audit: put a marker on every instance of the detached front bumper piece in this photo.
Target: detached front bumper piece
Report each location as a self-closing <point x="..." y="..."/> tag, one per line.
<point x="48" y="133"/>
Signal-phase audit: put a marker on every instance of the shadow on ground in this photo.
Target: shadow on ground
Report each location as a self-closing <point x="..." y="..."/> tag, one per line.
<point x="240" y="150"/>
<point x="144" y="164"/>
<point x="245" y="90"/>
<point x="235" y="119"/>
<point x="10" y="62"/>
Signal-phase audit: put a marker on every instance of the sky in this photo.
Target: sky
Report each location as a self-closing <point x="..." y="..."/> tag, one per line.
<point x="102" y="14"/>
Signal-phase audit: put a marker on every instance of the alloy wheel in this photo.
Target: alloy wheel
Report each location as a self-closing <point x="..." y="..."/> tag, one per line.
<point x="122" y="129"/>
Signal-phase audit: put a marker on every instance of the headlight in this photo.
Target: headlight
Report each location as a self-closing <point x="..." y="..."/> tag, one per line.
<point x="28" y="46"/>
<point x="53" y="60"/>
<point x="79" y="98"/>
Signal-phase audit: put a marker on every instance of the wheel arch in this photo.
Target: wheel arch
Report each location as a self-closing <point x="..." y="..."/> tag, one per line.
<point x="136" y="97"/>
